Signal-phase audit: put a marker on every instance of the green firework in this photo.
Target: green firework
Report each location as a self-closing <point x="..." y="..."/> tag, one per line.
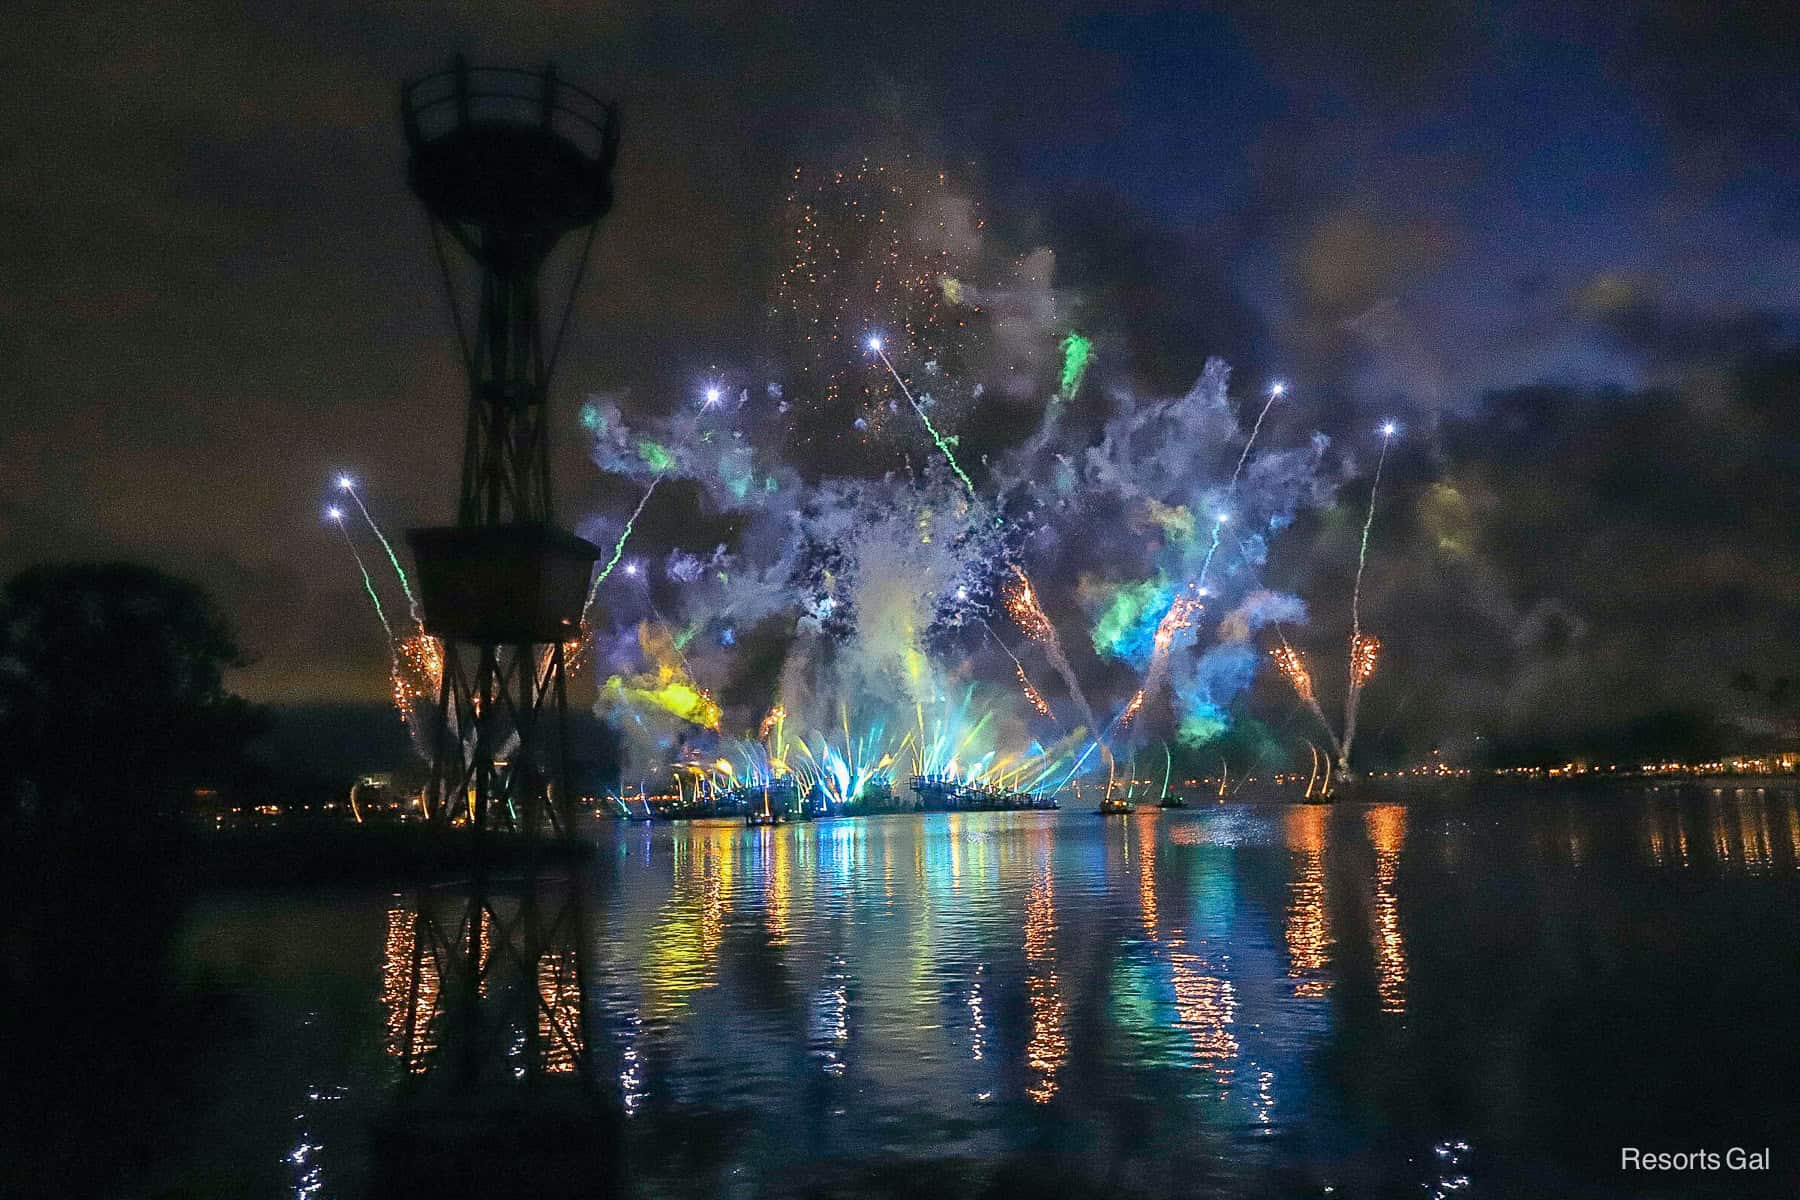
<point x="412" y="601"/>
<point x="368" y="583"/>
<point x="618" y="547"/>
<point x="937" y="437"/>
<point x="1078" y="355"/>
<point x="656" y="456"/>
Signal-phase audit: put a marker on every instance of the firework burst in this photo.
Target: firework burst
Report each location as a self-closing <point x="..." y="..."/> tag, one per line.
<point x="1021" y="602"/>
<point x="1293" y="669"/>
<point x="1186" y="606"/>
<point x="1183" y="611"/>
<point x="1032" y="695"/>
<point x="881" y="244"/>
<point x="1363" y="652"/>
<point x="418" y="671"/>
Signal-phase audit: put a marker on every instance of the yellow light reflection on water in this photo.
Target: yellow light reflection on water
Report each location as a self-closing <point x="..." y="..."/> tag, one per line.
<point x="1719" y="827"/>
<point x="777" y="847"/>
<point x="559" y="1012"/>
<point x="1147" y="877"/>
<point x="1307" y="931"/>
<point x="1386" y="827"/>
<point x="1793" y="826"/>
<point x="1205" y="1002"/>
<point x="682" y="951"/>
<point x="396" y="987"/>
<point x="1206" y="1005"/>
<point x="1747" y="829"/>
<point x="1049" y="1045"/>
<point x="1753" y="830"/>
<point x="1655" y="835"/>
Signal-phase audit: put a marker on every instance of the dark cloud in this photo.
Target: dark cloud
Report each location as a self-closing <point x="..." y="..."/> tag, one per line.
<point x="1720" y="75"/>
<point x="1392" y="55"/>
<point x="1641" y="319"/>
<point x="1148" y="291"/>
<point x="1581" y="557"/>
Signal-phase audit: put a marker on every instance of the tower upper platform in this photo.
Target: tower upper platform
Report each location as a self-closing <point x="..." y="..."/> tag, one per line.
<point x="520" y="155"/>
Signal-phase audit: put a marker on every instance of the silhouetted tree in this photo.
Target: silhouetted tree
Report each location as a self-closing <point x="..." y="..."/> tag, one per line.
<point x="112" y="702"/>
<point x="112" y="693"/>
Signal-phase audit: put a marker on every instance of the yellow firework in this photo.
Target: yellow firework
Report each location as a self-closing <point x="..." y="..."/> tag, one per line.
<point x="1293" y="669"/>
<point x="418" y="670"/>
<point x="1179" y="617"/>
<point x="1364" y="650"/>
<point x="1022" y="606"/>
<point x="1032" y="694"/>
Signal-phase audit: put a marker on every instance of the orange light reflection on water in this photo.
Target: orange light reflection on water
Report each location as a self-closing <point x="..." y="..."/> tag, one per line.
<point x="1205" y="1002"/>
<point x="1307" y="932"/>
<point x="1049" y="1044"/>
<point x="1386" y="827"/>
<point x="396" y="987"/>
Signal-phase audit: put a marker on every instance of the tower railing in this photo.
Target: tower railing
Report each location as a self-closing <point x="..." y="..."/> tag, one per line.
<point x="443" y="102"/>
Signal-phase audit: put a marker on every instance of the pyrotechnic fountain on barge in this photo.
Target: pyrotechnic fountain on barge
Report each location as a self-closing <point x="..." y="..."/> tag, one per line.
<point x="943" y="793"/>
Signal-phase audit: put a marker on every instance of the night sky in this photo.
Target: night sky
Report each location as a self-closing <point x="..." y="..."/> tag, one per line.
<point x="1559" y="243"/>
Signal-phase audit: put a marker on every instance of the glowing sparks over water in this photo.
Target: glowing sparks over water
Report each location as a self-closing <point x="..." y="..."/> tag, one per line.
<point x="868" y="247"/>
<point x="1363" y="653"/>
<point x="1131" y="709"/>
<point x="1223" y="518"/>
<point x="884" y="563"/>
<point x="1362" y="556"/>
<point x="1021" y="602"/>
<point x="1292" y="666"/>
<point x="1180" y="616"/>
<point x="418" y="672"/>
<point x="416" y="661"/>
<point x="1293" y="669"/>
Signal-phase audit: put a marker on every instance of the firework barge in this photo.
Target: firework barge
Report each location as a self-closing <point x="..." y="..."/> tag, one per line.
<point x="941" y="793"/>
<point x="781" y="801"/>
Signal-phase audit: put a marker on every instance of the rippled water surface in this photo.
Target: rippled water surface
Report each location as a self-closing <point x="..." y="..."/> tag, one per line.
<point x="1483" y="995"/>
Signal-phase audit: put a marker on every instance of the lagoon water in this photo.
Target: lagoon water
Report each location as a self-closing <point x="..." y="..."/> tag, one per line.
<point x="1484" y="994"/>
